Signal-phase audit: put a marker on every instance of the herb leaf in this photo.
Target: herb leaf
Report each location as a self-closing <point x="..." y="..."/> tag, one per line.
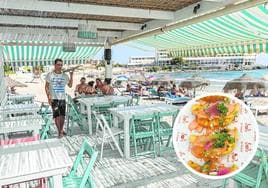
<point x="221" y="137"/>
<point x="222" y="108"/>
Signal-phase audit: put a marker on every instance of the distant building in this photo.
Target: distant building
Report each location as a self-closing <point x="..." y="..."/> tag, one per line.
<point x="162" y="57"/>
<point x="141" y="61"/>
<point x="229" y="61"/>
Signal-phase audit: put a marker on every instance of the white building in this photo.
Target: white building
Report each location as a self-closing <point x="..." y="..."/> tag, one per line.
<point x="223" y="60"/>
<point x="162" y="57"/>
<point x="141" y="60"/>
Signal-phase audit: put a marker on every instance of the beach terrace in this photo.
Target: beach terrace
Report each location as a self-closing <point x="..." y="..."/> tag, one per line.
<point x="124" y="139"/>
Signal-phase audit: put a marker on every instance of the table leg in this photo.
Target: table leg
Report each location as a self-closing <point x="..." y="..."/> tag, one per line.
<point x="126" y="138"/>
<point x="115" y="121"/>
<point x="256" y="112"/>
<point x="57" y="181"/>
<point x="89" y="120"/>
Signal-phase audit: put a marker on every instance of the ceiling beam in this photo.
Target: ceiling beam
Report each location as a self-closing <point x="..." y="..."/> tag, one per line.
<point x="47" y="35"/>
<point x="69" y="23"/>
<point x="55" y="32"/>
<point x="75" y="8"/>
<point x="13" y="43"/>
<point x="186" y="17"/>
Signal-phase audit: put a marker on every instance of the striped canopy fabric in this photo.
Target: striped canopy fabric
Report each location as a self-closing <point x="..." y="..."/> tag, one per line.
<point x="31" y="55"/>
<point x="245" y="31"/>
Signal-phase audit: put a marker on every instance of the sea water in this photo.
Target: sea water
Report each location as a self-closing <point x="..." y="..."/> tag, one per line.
<point x="217" y="78"/>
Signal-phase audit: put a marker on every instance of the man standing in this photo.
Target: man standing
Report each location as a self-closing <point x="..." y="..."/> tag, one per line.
<point x="55" y="90"/>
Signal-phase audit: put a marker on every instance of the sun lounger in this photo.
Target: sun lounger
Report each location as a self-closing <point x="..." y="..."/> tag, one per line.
<point x="173" y="99"/>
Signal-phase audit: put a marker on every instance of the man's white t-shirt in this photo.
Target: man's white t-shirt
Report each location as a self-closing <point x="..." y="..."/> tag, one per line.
<point x="57" y="84"/>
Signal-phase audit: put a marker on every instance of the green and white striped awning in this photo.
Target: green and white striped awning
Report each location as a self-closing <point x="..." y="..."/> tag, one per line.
<point x="245" y="31"/>
<point x="31" y="55"/>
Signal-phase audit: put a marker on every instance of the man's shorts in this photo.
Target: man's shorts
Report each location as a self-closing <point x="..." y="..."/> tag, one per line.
<point x="58" y="107"/>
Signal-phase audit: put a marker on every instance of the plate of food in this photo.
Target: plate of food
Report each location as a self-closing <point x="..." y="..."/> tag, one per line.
<point x="215" y="136"/>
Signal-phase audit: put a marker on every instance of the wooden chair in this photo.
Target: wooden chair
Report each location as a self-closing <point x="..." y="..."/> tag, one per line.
<point x="254" y="173"/>
<point x="74" y="116"/>
<point x="44" y="132"/>
<point x="80" y="174"/>
<point x="164" y="129"/>
<point x="107" y="134"/>
<point x="143" y="133"/>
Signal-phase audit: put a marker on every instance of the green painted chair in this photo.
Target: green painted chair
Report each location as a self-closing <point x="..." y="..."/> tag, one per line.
<point x="102" y="109"/>
<point x="164" y="129"/>
<point x="80" y="175"/>
<point x="153" y="93"/>
<point x="135" y="100"/>
<point x="44" y="132"/>
<point x="120" y="103"/>
<point x="254" y="174"/>
<point x="74" y="116"/>
<point x="143" y="134"/>
<point x="45" y="114"/>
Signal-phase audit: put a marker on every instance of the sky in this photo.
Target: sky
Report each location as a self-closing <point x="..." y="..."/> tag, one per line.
<point x="122" y="52"/>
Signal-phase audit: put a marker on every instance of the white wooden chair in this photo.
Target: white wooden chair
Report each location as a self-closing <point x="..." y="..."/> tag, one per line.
<point x="107" y="134"/>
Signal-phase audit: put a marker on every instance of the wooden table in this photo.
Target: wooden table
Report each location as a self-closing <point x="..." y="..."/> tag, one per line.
<point x="87" y="103"/>
<point x="126" y="113"/>
<point x="28" y="161"/>
<point x="22" y="123"/>
<point x="17" y="99"/>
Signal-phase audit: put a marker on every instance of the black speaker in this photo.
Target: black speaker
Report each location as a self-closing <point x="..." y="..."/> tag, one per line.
<point x="107" y="54"/>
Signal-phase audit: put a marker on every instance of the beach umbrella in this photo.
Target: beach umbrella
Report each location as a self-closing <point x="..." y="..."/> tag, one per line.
<point x="13" y="83"/>
<point x="194" y="82"/>
<point x="122" y="78"/>
<point x="137" y="78"/>
<point x="151" y="77"/>
<point x="162" y="80"/>
<point x="244" y="82"/>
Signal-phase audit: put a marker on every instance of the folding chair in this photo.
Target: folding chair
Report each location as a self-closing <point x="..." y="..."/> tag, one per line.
<point x="74" y="116"/>
<point x="164" y="129"/>
<point x="143" y="133"/>
<point x="107" y="134"/>
<point x="80" y="174"/>
<point x="254" y="173"/>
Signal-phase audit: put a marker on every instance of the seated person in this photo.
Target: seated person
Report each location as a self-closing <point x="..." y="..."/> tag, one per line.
<point x="239" y="94"/>
<point x="80" y="87"/>
<point x="140" y="90"/>
<point x="256" y="92"/>
<point x="90" y="90"/>
<point x="178" y="92"/>
<point x="107" y="89"/>
<point x="98" y="85"/>
<point x="174" y="89"/>
<point x="161" y="90"/>
<point x="129" y="89"/>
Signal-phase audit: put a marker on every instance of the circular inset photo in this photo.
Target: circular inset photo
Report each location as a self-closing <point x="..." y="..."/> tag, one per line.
<point x="215" y="136"/>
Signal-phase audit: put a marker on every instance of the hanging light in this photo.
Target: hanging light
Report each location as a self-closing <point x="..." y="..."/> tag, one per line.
<point x="87" y="31"/>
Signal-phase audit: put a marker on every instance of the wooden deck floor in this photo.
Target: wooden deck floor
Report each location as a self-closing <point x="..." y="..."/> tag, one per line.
<point x="145" y="172"/>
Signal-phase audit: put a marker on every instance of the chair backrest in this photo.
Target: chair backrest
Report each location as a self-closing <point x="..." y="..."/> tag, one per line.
<point x="45" y="128"/>
<point x="138" y="120"/>
<point x="103" y="125"/>
<point x="80" y="162"/>
<point x="172" y="114"/>
<point x="262" y="155"/>
<point x="134" y="100"/>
